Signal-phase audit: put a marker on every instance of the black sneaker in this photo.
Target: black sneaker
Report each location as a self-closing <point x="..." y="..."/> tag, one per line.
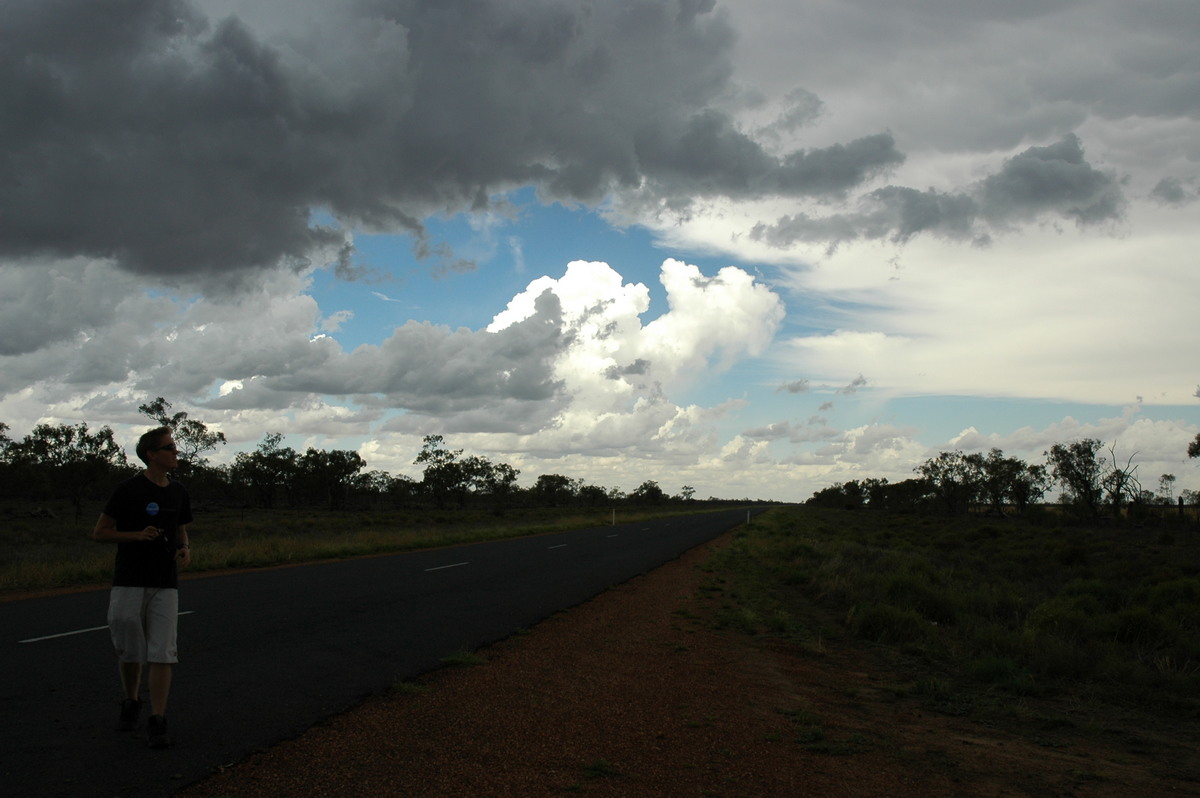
<point x="131" y="711"/>
<point x="156" y="731"/>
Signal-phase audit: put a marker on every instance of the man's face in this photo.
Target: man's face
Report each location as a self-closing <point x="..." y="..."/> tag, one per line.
<point x="165" y="454"/>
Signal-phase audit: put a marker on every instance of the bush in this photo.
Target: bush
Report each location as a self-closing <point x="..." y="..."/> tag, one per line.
<point x="914" y="592"/>
<point x="884" y="623"/>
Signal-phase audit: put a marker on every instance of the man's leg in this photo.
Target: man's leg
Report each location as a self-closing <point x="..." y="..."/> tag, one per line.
<point x="162" y="615"/>
<point x="131" y="678"/>
<point x="160" y="687"/>
<point x="129" y="640"/>
<point x="131" y="683"/>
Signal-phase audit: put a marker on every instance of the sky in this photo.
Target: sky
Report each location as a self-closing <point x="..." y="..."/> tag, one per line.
<point x="752" y="248"/>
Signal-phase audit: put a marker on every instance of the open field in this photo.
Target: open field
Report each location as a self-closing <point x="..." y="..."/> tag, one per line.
<point x="994" y="611"/>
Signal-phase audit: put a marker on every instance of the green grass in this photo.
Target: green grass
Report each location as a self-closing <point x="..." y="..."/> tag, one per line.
<point x="996" y="606"/>
<point x="464" y="659"/>
<point x="43" y="553"/>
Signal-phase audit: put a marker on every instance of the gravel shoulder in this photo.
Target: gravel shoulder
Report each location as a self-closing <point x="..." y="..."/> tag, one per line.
<point x="638" y="693"/>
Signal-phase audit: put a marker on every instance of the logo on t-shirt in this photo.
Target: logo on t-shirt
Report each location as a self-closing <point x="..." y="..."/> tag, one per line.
<point x="152" y="509"/>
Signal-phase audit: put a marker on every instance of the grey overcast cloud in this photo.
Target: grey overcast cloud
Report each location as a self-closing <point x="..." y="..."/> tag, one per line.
<point x="754" y="247"/>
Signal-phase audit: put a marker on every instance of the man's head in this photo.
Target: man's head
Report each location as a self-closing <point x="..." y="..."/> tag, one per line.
<point x="156" y="440"/>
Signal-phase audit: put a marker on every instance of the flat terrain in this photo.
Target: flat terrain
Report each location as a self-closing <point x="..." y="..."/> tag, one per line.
<point x="639" y="693"/>
<point x="270" y="652"/>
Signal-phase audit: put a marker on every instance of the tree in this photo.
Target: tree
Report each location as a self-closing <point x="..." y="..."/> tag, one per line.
<point x="1030" y="486"/>
<point x="842" y="496"/>
<point x="191" y="436"/>
<point x="67" y="459"/>
<point x="331" y="473"/>
<point x="476" y="471"/>
<point x="553" y="490"/>
<point x="1166" y="488"/>
<point x="1077" y="468"/>
<point x="266" y="469"/>
<point x="1194" y="447"/>
<point x="687" y="493"/>
<point x="648" y="493"/>
<point x="955" y="478"/>
<point x="1121" y="484"/>
<point x="875" y="492"/>
<point x="1010" y="479"/>
<point x="499" y="481"/>
<point x="372" y="486"/>
<point x="909" y="495"/>
<point x="402" y="490"/>
<point x="443" y="473"/>
<point x="592" y="495"/>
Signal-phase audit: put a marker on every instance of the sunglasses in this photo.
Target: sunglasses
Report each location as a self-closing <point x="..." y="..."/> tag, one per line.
<point x="170" y="447"/>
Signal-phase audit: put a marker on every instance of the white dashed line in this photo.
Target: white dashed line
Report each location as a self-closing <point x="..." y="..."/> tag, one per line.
<point x="77" y="632"/>
<point x="444" y="567"/>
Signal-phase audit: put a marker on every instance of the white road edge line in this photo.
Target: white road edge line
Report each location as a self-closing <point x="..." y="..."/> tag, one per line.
<point x="559" y="546"/>
<point x="444" y="567"/>
<point x="79" y="631"/>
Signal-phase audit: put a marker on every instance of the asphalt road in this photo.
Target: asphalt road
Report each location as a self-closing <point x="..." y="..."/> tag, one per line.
<point x="264" y="655"/>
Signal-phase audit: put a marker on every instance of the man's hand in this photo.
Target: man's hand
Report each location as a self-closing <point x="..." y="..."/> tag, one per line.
<point x="149" y="533"/>
<point x="184" y="555"/>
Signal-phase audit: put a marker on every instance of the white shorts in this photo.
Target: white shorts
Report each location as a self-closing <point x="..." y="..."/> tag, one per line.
<point x="143" y="622"/>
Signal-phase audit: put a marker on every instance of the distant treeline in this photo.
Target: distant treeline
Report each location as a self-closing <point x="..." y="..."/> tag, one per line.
<point x="77" y="464"/>
<point x="1093" y="484"/>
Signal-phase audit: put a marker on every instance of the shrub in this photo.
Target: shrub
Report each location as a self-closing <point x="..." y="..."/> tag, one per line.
<point x="914" y="592"/>
<point x="884" y="623"/>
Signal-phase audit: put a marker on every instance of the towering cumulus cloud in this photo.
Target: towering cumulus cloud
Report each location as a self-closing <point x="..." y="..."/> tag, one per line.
<point x="617" y="372"/>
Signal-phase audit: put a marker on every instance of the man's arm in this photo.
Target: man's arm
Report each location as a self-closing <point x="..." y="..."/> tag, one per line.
<point x="105" y="531"/>
<point x="184" y="552"/>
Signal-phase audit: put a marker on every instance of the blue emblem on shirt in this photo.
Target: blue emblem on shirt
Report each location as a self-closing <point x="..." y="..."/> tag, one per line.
<point x="152" y="509"/>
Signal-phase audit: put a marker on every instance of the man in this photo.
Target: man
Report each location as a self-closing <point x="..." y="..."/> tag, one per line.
<point x="147" y="517"/>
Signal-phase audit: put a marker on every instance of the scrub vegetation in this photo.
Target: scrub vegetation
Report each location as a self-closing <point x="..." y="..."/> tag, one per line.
<point x="993" y="609"/>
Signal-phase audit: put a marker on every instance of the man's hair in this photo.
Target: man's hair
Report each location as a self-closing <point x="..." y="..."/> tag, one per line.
<point x="149" y="440"/>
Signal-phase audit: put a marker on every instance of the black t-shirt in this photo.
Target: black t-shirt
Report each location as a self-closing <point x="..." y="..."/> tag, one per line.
<point x="136" y="504"/>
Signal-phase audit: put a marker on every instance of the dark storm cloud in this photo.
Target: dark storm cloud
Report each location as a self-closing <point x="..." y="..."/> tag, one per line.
<point x="638" y="368"/>
<point x="176" y="144"/>
<point x="1054" y="180"/>
<point x="134" y="132"/>
<point x="858" y="382"/>
<point x="708" y="154"/>
<point x="430" y="369"/>
<point x="771" y="432"/>
<point x="815" y="429"/>
<point x="1174" y="191"/>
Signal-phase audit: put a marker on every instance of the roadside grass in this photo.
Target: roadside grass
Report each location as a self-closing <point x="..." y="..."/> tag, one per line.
<point x="463" y="659"/>
<point x="405" y="687"/>
<point x="992" y="609"/>
<point x="50" y="550"/>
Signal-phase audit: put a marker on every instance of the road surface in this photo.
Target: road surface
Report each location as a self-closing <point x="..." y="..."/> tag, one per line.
<point x="266" y="654"/>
